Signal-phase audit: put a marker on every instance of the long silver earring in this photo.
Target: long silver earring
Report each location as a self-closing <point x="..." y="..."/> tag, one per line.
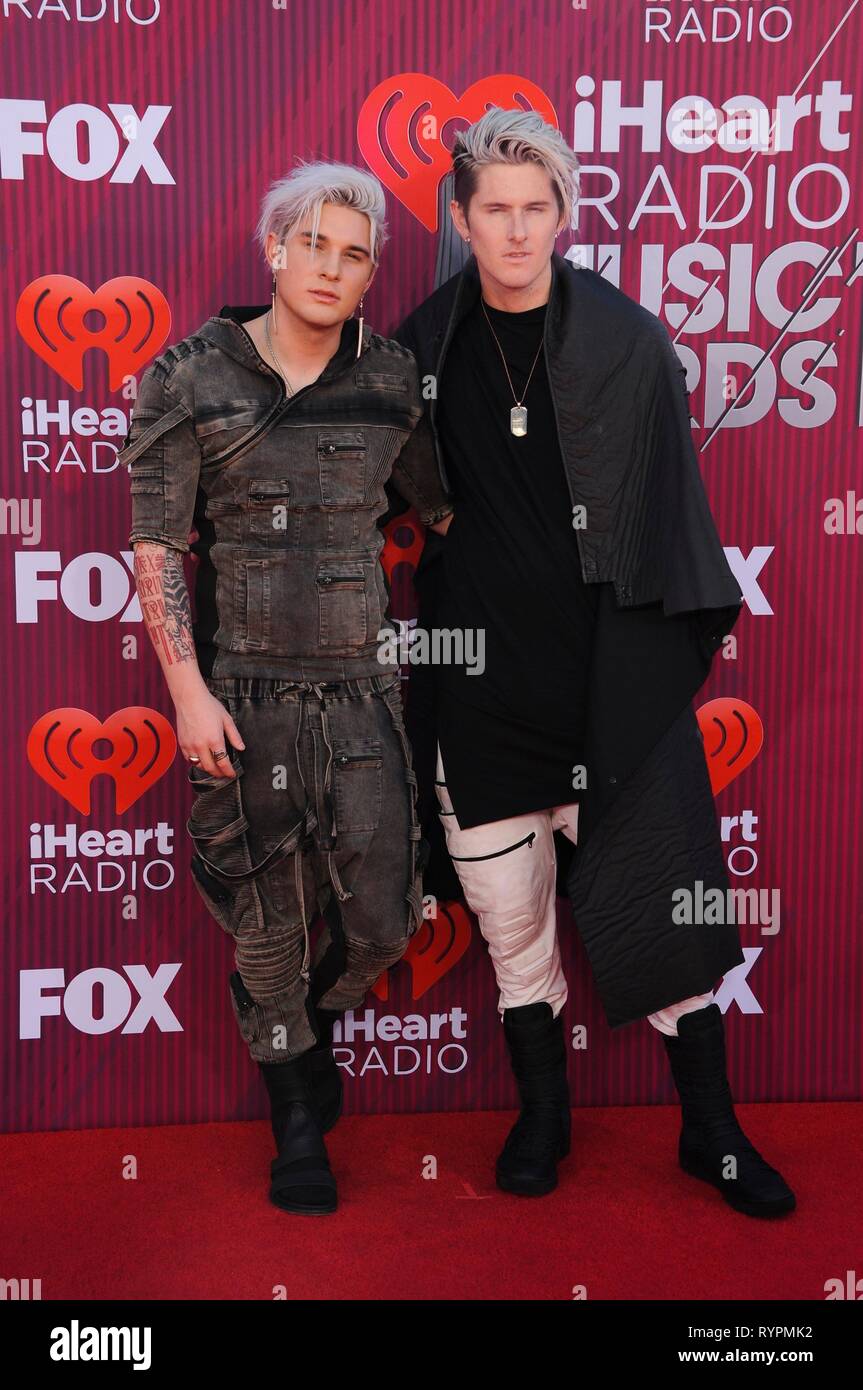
<point x="360" y="328"/>
<point x="275" y="329"/>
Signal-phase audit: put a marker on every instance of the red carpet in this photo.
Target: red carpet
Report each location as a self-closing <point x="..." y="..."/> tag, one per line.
<point x="625" y="1221"/>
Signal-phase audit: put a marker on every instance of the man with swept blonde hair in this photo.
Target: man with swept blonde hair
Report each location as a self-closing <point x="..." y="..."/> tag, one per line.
<point x="278" y="432"/>
<point x="584" y="549"/>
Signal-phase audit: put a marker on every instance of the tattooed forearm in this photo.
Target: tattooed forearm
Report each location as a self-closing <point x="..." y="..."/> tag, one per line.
<point x="165" y="604"/>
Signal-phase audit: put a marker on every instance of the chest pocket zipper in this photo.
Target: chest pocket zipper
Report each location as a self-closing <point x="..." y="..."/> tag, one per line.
<point x="353" y="579"/>
<point x="342" y="444"/>
<point x="265" y="489"/>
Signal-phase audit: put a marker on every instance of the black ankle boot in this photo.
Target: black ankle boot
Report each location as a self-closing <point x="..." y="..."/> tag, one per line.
<point x="301" y="1178"/>
<point x="711" y="1134"/>
<point x="324" y="1072"/>
<point x="541" y="1135"/>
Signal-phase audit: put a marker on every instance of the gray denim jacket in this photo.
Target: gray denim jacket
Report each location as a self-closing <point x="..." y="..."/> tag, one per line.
<point x="285" y="493"/>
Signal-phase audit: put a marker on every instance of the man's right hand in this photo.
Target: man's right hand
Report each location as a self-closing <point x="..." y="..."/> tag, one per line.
<point x="441" y="527"/>
<point x="205" y="727"/>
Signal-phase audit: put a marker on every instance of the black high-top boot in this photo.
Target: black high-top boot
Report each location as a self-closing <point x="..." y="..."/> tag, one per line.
<point x="711" y="1135"/>
<point x="302" y="1180"/>
<point x="324" y="1071"/>
<point x="541" y="1135"/>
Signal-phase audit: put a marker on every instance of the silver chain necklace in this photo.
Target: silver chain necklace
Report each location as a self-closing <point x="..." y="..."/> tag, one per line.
<point x="518" y="414"/>
<point x="273" y="354"/>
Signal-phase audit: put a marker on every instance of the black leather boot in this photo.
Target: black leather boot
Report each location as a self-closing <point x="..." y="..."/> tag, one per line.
<point x="301" y="1178"/>
<point x="541" y="1135"/>
<point x="711" y="1134"/>
<point x="324" y="1072"/>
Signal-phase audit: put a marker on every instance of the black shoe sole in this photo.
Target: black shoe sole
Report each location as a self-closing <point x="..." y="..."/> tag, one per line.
<point x="304" y="1211"/>
<point x="303" y="1208"/>
<point x="520" y="1190"/>
<point x="780" y="1207"/>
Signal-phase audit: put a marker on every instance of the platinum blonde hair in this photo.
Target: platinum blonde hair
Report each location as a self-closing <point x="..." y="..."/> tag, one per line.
<point x="514" y="137"/>
<point x="303" y="192"/>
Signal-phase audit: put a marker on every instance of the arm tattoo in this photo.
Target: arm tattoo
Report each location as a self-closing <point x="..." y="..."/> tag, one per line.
<point x="165" y="602"/>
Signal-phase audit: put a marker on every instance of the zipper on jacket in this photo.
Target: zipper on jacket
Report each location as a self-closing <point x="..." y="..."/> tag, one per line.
<point x="342" y="580"/>
<point x="284" y="401"/>
<point x="528" y="840"/>
<point x="270" y="489"/>
<point x="340" y="447"/>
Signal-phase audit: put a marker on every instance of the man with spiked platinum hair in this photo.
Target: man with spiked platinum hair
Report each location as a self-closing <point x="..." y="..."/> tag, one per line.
<point x="279" y="431"/>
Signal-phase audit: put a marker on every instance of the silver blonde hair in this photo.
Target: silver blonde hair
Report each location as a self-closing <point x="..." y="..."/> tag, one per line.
<point x="514" y="137"/>
<point x="303" y="192"/>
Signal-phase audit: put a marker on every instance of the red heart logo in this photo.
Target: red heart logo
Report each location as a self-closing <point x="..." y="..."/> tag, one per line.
<point x="733" y="736"/>
<point x="136" y="322"/>
<point x="403" y="545"/>
<point x="435" y="948"/>
<point x="401" y="125"/>
<point x="60" y="749"/>
<point x="439" y="944"/>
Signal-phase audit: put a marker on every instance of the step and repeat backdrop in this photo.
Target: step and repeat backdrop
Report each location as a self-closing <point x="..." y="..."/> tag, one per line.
<point x="720" y="147"/>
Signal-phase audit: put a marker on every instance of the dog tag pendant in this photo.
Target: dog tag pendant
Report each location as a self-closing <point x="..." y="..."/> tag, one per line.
<point x="518" y="419"/>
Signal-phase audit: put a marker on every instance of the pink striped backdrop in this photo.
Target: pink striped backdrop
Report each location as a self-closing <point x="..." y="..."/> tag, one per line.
<point x="246" y="87"/>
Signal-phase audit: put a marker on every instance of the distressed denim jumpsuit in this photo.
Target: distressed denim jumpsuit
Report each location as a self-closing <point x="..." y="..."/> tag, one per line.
<point x="286" y="494"/>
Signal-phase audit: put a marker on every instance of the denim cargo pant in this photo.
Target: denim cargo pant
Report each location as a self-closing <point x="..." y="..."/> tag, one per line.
<point x="321" y="816"/>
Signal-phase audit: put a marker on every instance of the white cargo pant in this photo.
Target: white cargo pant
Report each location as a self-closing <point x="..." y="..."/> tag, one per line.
<point x="508" y="872"/>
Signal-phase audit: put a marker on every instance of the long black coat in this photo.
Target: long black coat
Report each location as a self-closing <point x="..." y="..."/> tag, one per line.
<point x="647" y="820"/>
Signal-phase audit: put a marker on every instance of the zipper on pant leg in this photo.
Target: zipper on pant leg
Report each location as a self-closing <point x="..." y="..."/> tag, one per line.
<point x="528" y="840"/>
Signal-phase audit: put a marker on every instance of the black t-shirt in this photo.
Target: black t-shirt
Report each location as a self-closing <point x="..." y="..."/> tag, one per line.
<point x="511" y="735"/>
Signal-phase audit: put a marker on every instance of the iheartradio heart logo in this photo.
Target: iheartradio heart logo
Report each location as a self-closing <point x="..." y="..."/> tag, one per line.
<point x="134" y="323"/>
<point x="436" y="947"/>
<point x="402" y="123"/>
<point x="60" y="749"/>
<point x="403" y="545"/>
<point x="733" y="736"/>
